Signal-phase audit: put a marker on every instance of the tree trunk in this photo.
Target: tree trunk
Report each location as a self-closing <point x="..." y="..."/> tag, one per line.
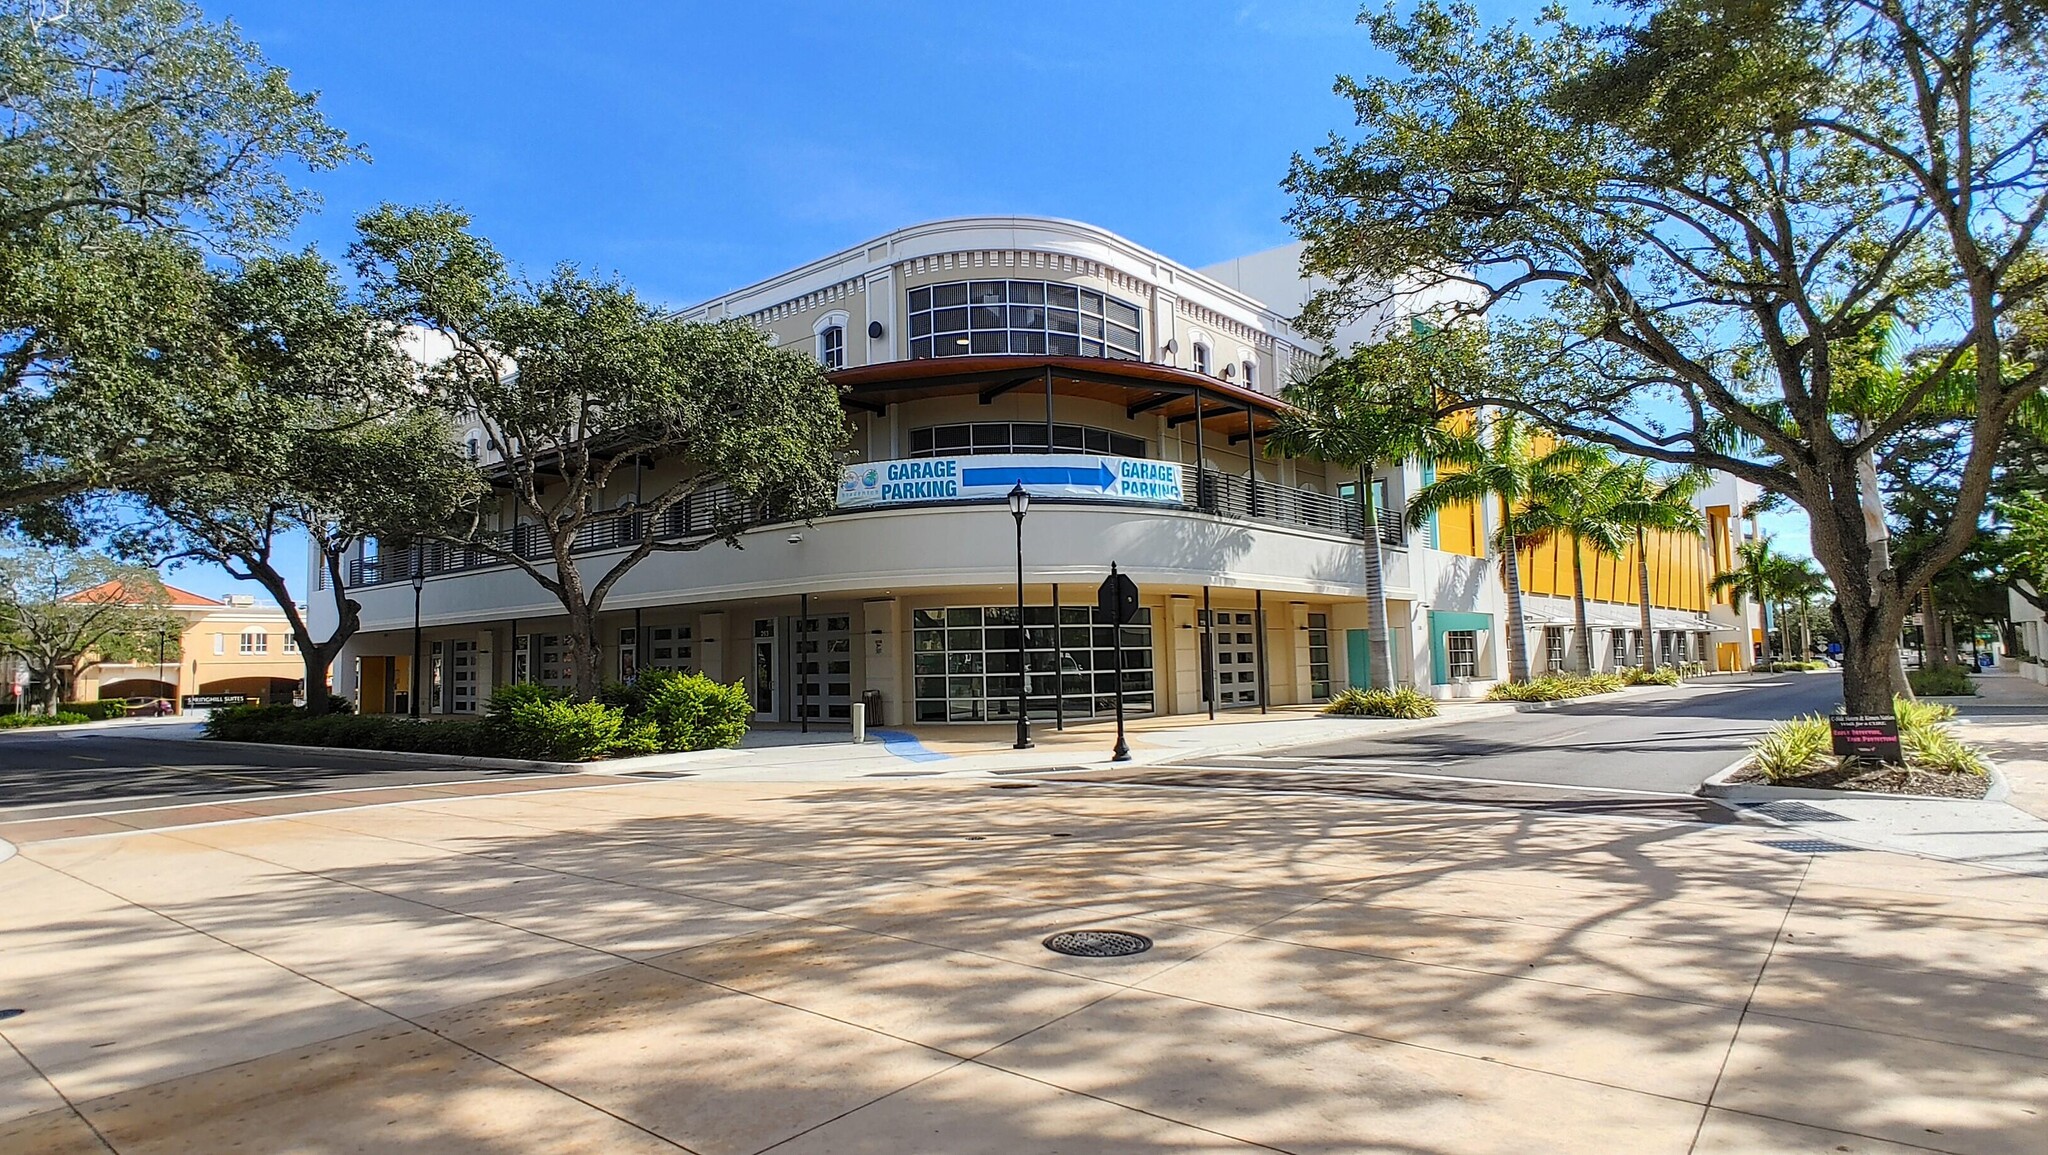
<point x="1518" y="651"/>
<point x="1379" y="635"/>
<point x="585" y="656"/>
<point x="1785" y="633"/>
<point x="1585" y="632"/>
<point x="1647" y="659"/>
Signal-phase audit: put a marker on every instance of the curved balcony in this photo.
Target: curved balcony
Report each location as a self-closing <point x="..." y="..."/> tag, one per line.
<point x="710" y="512"/>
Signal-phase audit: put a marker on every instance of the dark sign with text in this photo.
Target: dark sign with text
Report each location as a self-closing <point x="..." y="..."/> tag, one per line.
<point x="1872" y="736"/>
<point x="215" y="701"/>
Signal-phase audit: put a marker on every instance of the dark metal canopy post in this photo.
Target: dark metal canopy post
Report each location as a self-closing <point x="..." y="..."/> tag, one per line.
<point x="1122" y="751"/>
<point x="1059" y="673"/>
<point x="1201" y="475"/>
<point x="1048" y="415"/>
<point x="1259" y="616"/>
<point x="1020" y="504"/>
<point x="1251" y="454"/>
<point x="1209" y="653"/>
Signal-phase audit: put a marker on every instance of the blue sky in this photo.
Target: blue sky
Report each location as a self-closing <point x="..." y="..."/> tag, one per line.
<point x="694" y="147"/>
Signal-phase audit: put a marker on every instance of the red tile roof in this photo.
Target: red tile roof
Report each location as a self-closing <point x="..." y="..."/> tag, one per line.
<point x="117" y="591"/>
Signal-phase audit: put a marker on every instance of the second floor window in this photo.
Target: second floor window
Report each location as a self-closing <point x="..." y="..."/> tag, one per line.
<point x="291" y="643"/>
<point x="255" y="643"/>
<point x="1020" y="437"/>
<point x="970" y="317"/>
<point x="832" y="347"/>
<point x="1201" y="357"/>
<point x="1251" y="371"/>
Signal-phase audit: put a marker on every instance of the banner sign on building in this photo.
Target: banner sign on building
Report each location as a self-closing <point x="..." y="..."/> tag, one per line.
<point x="1872" y="736"/>
<point x="916" y="480"/>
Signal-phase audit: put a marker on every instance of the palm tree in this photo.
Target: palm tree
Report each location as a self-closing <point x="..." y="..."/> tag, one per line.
<point x="1649" y="503"/>
<point x="1767" y="578"/>
<point x="1799" y="583"/>
<point x="1510" y="464"/>
<point x="1375" y="406"/>
<point x="1580" y="505"/>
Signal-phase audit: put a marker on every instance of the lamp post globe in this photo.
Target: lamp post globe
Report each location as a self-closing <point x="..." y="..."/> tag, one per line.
<point x="1020" y="504"/>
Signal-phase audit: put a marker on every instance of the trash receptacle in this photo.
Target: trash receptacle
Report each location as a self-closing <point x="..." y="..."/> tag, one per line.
<point x="872" y="700"/>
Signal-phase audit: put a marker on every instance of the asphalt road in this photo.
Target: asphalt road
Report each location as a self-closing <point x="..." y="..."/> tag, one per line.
<point x="44" y="775"/>
<point x="1642" y="752"/>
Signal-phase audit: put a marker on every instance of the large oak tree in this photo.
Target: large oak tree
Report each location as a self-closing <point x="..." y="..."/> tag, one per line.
<point x="1682" y="224"/>
<point x="135" y="137"/>
<point x="615" y="430"/>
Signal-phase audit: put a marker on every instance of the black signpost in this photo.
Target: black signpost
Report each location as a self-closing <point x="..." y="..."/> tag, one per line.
<point x="1118" y="600"/>
<point x="1871" y="736"/>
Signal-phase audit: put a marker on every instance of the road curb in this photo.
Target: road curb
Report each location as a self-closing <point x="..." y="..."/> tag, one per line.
<point x="1720" y="788"/>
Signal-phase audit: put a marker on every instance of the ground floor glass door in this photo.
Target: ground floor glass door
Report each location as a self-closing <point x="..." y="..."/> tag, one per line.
<point x="824" y="667"/>
<point x="462" y="677"/>
<point x="1235" y="661"/>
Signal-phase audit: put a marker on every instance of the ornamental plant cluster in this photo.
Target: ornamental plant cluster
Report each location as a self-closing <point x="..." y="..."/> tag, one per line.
<point x="1405" y="702"/>
<point x="660" y="712"/>
<point x="1803" y="746"/>
<point x="1556" y="688"/>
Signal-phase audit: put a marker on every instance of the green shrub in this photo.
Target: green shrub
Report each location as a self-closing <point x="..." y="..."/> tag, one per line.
<point x="506" y="699"/>
<point x="1800" y="746"/>
<point x="1941" y="682"/>
<point x="1555" y="687"/>
<point x="560" y="731"/>
<point x="1661" y="676"/>
<point x="1787" y="667"/>
<point x="694" y="712"/>
<point x="637" y="736"/>
<point x="1403" y="702"/>
<point x="98" y="711"/>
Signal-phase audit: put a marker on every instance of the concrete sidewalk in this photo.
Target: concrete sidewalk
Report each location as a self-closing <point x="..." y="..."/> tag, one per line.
<point x="855" y="966"/>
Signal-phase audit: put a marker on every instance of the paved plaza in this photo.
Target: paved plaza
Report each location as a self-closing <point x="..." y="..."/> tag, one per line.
<point x="727" y="967"/>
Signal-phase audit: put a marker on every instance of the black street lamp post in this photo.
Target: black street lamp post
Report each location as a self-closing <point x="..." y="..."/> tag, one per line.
<point x="419" y="583"/>
<point x="1020" y="504"/>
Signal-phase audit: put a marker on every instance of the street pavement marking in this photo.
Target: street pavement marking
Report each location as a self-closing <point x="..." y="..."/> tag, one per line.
<point x="211" y="800"/>
<point x="1439" y="778"/>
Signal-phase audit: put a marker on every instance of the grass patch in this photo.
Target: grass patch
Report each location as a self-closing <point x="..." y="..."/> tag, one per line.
<point x="1406" y="702"/>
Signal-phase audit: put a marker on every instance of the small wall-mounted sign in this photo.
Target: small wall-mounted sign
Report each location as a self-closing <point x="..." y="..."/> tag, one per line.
<point x="1871" y="736"/>
<point x="215" y="701"/>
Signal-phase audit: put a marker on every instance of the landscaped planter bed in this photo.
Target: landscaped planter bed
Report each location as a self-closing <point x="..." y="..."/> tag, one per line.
<point x="1868" y="778"/>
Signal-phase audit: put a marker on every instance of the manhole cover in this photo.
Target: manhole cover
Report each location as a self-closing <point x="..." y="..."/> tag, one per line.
<point x="1098" y="943"/>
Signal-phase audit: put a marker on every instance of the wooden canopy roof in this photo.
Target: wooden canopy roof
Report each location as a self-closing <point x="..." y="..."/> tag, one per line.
<point x="1228" y="411"/>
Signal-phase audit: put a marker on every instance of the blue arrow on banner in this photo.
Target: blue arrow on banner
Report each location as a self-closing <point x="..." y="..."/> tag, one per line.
<point x="1101" y="477"/>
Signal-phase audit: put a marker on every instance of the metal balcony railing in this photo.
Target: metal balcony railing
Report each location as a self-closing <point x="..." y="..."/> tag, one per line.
<point x="1225" y="495"/>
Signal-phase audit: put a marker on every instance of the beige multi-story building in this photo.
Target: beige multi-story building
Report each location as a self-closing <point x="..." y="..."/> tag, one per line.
<point x="1129" y="395"/>
<point x="225" y="649"/>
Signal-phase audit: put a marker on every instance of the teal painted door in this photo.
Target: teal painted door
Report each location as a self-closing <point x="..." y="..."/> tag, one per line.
<point x="1358" y="658"/>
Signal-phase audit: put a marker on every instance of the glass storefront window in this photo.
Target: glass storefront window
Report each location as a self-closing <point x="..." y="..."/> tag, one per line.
<point x="963" y="674"/>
